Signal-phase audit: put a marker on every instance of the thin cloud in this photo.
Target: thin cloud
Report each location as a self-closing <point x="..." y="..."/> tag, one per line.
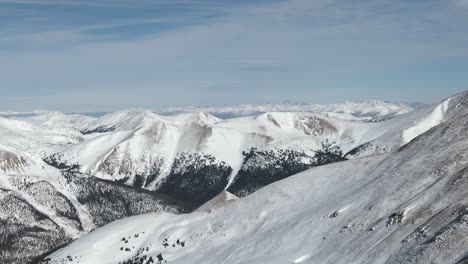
<point x="114" y="3"/>
<point x="255" y="52"/>
<point x="463" y="3"/>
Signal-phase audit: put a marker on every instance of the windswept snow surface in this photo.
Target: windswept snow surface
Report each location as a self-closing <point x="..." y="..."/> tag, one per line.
<point x="218" y="201"/>
<point x="432" y="120"/>
<point x="407" y="206"/>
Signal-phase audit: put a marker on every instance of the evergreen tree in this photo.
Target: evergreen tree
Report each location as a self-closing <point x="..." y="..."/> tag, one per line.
<point x="328" y="153"/>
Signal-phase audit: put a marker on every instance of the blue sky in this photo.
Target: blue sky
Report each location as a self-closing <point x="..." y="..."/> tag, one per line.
<point x="97" y="55"/>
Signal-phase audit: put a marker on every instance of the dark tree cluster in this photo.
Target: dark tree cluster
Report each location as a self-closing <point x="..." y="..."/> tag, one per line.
<point x="328" y="153"/>
<point x="25" y="232"/>
<point x="196" y="177"/>
<point x="262" y="167"/>
<point x="108" y="201"/>
<point x="56" y="160"/>
<point x="101" y="129"/>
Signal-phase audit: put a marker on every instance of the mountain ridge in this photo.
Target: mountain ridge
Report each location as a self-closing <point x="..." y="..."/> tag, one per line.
<point x="62" y="176"/>
<point x="406" y="206"/>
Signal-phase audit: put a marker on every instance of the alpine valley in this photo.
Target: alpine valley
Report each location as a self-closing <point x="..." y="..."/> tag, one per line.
<point x="362" y="182"/>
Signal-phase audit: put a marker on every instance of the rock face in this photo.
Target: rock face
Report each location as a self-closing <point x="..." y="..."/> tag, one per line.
<point x="9" y="161"/>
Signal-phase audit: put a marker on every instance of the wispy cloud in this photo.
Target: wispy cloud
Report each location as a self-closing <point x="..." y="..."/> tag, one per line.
<point x="462" y="3"/>
<point x="114" y="3"/>
<point x="202" y="52"/>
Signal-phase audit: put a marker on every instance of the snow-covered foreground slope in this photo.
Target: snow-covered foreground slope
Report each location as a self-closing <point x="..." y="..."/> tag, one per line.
<point x="407" y="206"/>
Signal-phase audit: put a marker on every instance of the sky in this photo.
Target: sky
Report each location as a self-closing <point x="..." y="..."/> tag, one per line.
<point x="105" y="55"/>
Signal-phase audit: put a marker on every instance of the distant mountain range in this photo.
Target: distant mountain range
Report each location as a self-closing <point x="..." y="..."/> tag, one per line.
<point x="369" y="110"/>
<point x="372" y="109"/>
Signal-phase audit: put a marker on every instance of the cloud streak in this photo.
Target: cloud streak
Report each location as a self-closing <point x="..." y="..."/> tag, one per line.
<point x="239" y="53"/>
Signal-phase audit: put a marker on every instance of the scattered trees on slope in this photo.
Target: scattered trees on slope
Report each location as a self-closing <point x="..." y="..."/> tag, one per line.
<point x="328" y="153"/>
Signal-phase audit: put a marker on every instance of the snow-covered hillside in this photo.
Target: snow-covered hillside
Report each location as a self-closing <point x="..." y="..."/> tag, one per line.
<point x="39" y="213"/>
<point x="40" y="140"/>
<point x="62" y="175"/>
<point x="406" y="206"/>
<point x="154" y="151"/>
<point x="194" y="156"/>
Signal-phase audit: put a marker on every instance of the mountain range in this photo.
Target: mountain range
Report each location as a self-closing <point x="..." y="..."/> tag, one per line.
<point x="409" y="205"/>
<point x="64" y="175"/>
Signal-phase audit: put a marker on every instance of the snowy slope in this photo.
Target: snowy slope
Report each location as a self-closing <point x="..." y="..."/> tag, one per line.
<point x="218" y="201"/>
<point x="407" y="206"/>
<point x="40" y="213"/>
<point x="23" y="146"/>
<point x="399" y="131"/>
<point x="40" y="206"/>
<point x="58" y="121"/>
<point x="136" y="141"/>
<point x="24" y="135"/>
<point x="15" y="162"/>
<point x="141" y="146"/>
<point x="139" y="142"/>
<point x="193" y="156"/>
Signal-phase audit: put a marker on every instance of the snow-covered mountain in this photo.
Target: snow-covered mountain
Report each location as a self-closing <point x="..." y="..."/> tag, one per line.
<point x="406" y="206"/>
<point x="183" y="154"/>
<point x="42" y="206"/>
<point x="194" y="156"/>
<point x="63" y="175"/>
<point x="373" y="110"/>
